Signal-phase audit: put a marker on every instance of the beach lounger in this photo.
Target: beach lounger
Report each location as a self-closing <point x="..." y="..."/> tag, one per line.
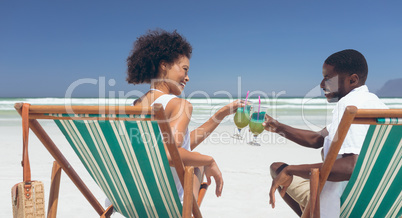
<point x="375" y="187"/>
<point x="123" y="150"/>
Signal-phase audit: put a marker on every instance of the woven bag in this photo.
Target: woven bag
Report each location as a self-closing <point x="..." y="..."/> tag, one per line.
<point x="33" y="206"/>
<point x="28" y="199"/>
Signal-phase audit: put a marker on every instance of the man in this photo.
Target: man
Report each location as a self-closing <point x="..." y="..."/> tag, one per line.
<point x="344" y="73"/>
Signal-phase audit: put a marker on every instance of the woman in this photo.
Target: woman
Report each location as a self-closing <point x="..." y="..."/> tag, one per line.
<point x="161" y="58"/>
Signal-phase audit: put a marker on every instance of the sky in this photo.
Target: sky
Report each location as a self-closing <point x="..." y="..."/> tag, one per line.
<point x="79" y="48"/>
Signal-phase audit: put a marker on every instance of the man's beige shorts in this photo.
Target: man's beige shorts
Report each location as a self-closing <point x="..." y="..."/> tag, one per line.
<point x="299" y="190"/>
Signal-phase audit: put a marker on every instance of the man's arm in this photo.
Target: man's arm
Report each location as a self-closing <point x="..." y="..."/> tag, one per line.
<point x="302" y="137"/>
<point x="341" y="171"/>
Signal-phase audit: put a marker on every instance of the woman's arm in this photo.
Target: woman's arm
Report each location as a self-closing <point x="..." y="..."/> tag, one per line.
<point x="211" y="169"/>
<point x="202" y="132"/>
<point x="178" y="112"/>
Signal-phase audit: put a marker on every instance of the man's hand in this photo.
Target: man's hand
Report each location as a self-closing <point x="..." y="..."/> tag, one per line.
<point x="282" y="181"/>
<point x="270" y="123"/>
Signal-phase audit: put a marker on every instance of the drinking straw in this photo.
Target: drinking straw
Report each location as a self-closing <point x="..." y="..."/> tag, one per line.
<point x="259" y="104"/>
<point x="245" y="102"/>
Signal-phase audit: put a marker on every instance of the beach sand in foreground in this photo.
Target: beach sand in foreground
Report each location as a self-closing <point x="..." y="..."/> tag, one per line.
<point x="245" y="171"/>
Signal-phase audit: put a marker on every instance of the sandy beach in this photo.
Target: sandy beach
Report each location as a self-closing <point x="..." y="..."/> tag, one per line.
<point x="245" y="170"/>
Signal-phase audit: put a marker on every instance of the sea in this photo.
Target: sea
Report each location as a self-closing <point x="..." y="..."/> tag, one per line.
<point x="311" y="112"/>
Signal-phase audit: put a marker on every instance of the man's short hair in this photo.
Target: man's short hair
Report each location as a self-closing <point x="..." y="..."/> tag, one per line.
<point x="349" y="62"/>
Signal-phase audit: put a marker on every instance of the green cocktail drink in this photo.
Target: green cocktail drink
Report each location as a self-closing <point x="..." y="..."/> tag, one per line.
<point x="255" y="124"/>
<point x="256" y="121"/>
<point x="242" y="119"/>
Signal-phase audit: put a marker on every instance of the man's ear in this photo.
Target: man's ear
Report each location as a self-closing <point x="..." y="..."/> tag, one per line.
<point x="354" y="80"/>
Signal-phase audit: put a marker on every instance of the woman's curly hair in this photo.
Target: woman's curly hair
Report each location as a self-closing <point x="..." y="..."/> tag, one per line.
<point x="150" y="49"/>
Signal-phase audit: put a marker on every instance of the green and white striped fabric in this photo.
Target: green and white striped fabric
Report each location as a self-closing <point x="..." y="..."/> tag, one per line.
<point x="375" y="187"/>
<point x="127" y="160"/>
<point x="389" y="120"/>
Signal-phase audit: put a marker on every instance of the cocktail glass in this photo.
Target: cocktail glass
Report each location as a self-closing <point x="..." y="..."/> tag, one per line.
<point x="241" y="119"/>
<point x="255" y="124"/>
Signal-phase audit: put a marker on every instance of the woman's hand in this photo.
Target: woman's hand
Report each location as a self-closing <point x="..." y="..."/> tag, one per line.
<point x="213" y="170"/>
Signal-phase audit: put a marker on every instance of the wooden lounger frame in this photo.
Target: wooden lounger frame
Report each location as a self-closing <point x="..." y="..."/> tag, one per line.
<point x="190" y="204"/>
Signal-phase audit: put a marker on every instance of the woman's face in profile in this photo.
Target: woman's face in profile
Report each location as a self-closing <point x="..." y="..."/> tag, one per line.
<point x="176" y="75"/>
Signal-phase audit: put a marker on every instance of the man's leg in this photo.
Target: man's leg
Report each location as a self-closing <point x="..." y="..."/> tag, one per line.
<point x="275" y="169"/>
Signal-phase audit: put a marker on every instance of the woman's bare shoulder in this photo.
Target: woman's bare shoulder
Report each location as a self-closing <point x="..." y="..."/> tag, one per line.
<point x="179" y="106"/>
